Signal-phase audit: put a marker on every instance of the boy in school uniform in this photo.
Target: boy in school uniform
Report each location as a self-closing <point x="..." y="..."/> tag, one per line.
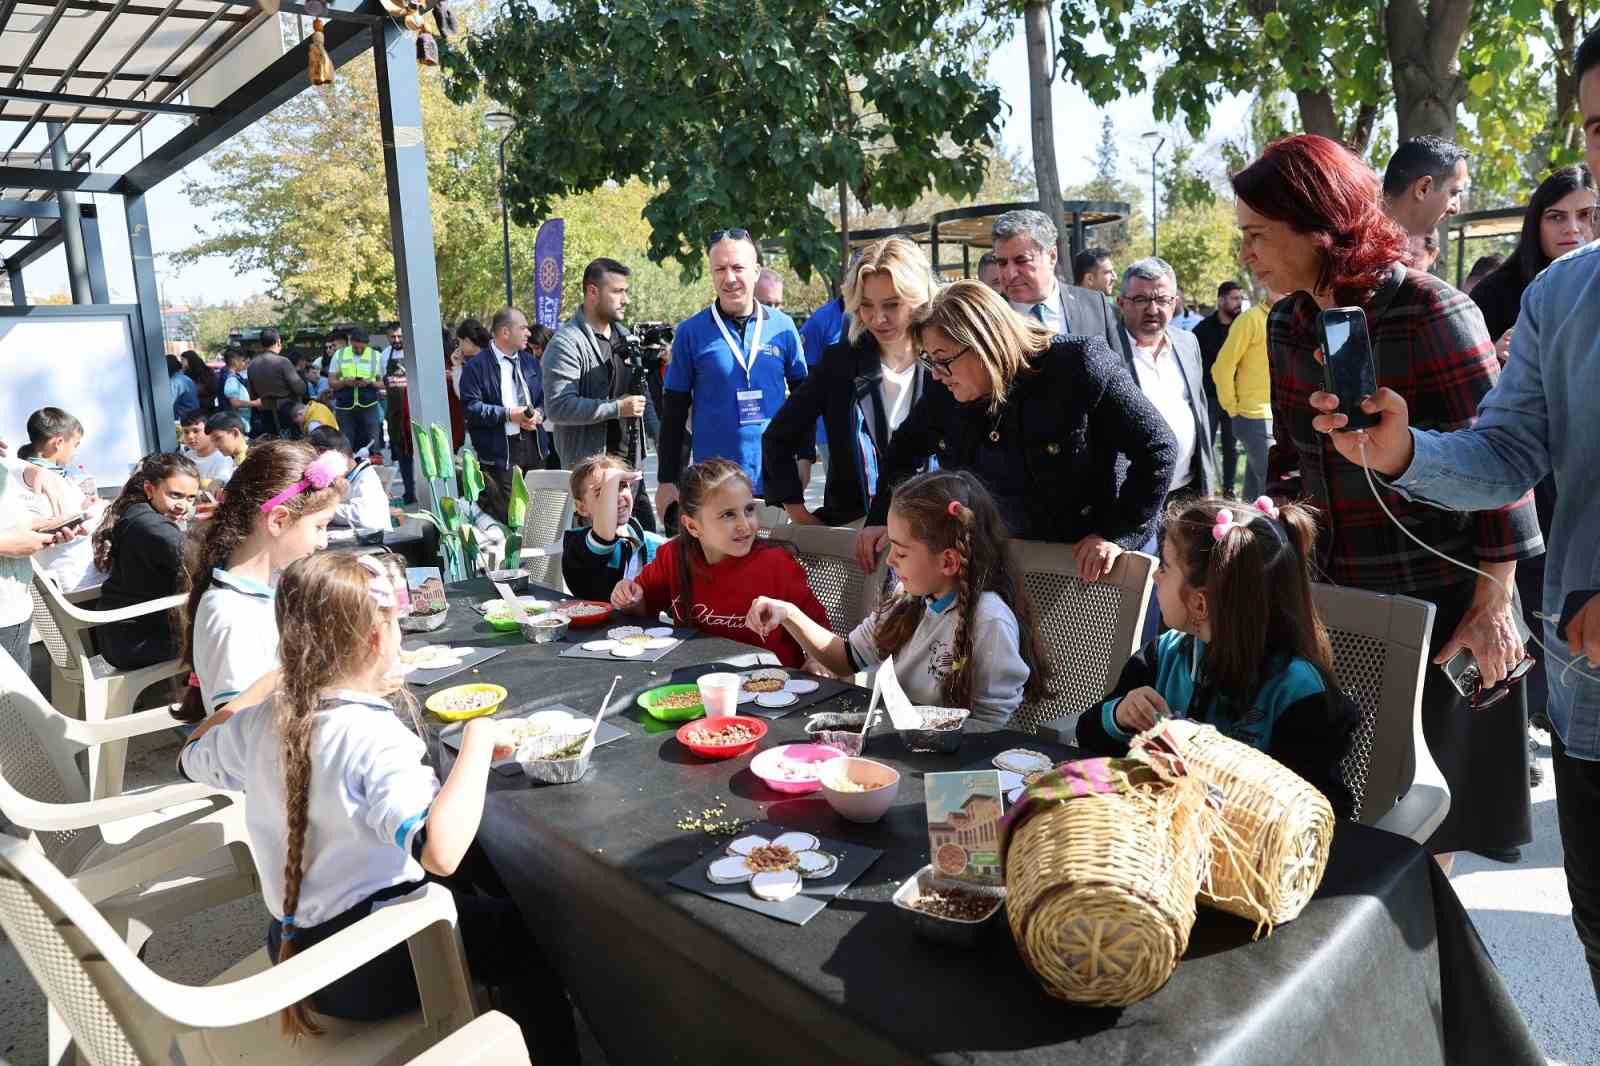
<point x="54" y="436"/>
<point x="212" y="464"/>
<point x="228" y="435"/>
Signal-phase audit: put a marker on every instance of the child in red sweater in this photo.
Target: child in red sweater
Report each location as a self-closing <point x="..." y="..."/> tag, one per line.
<point x="709" y="574"/>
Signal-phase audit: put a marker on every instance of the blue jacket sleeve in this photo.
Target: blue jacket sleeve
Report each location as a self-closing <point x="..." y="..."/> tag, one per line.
<point x="481" y="411"/>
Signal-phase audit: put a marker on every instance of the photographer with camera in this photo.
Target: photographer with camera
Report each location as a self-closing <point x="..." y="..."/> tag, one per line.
<point x="595" y="400"/>
<point x="498" y="392"/>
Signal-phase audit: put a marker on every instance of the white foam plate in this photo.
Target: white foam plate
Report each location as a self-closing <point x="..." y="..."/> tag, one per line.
<point x="599" y="645"/>
<point x="746" y="697"/>
<point x="621" y="632"/>
<point x="728" y="871"/>
<point x="745" y="845"/>
<point x="816" y="863"/>
<point x="775" y="700"/>
<point x="1022" y="760"/>
<point x="801" y="686"/>
<point x="659" y="631"/>
<point x="798" y="841"/>
<point x="1010" y="779"/>
<point x="775" y="885"/>
<point x="657" y="643"/>
<point x="529" y="603"/>
<point x="627" y="651"/>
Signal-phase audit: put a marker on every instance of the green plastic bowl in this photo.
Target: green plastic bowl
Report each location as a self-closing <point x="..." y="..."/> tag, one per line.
<point x="647" y="700"/>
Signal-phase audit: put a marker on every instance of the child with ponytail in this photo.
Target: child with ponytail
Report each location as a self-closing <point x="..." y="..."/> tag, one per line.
<point x="140" y="546"/>
<point x="276" y="510"/>
<point x="1245" y="651"/>
<point x="709" y="573"/>
<point x="345" y="813"/>
<point x="960" y="626"/>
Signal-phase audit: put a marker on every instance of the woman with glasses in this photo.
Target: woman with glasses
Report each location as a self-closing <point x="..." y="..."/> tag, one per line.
<point x="1042" y="421"/>
<point x="1313" y="228"/>
<point x="862" y="388"/>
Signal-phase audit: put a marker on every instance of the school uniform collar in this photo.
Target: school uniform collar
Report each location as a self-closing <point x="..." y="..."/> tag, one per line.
<point x="350" y="695"/>
<point x="245" y="586"/>
<point x="941" y="604"/>
<point x="45" y="464"/>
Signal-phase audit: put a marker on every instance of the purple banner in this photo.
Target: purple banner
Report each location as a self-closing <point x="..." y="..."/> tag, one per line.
<point x="547" y="272"/>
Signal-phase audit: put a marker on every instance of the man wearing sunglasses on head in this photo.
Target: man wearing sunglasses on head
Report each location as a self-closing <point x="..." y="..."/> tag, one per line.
<point x="733" y="364"/>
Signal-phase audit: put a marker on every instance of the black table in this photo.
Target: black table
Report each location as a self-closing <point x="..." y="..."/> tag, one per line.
<point x="1383" y="966"/>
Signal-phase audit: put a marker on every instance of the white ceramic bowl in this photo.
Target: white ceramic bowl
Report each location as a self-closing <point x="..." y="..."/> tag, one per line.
<point x="866" y="806"/>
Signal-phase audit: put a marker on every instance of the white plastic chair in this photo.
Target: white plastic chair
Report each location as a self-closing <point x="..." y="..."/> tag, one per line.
<point x="121" y="1012"/>
<point x="1089" y="628"/>
<point x="829" y="557"/>
<point x="1380" y="655"/>
<point x="549" y="515"/>
<point x="102" y="691"/>
<point x="492" y="1039"/>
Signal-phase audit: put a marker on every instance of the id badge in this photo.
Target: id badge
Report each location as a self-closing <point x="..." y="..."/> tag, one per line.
<point x="750" y="412"/>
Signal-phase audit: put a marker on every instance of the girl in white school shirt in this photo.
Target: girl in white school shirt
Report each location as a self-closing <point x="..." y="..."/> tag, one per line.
<point x="276" y="509"/>
<point x="345" y="813"/>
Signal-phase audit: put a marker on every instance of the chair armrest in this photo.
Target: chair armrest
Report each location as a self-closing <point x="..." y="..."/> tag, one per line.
<point x="493" y="1039"/>
<point x="1063" y="730"/>
<point x="142" y="723"/>
<point x="37" y="817"/>
<point x="1418" y="813"/>
<point x="123" y="614"/>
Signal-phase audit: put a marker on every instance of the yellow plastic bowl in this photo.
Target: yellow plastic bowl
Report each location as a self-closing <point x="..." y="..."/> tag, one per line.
<point x="436" y="702"/>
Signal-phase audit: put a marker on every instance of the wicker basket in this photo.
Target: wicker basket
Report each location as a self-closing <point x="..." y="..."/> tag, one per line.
<point x="1100" y="888"/>
<point x="1270" y="843"/>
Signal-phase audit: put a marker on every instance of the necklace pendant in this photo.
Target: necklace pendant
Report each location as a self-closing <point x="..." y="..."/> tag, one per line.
<point x="994" y="435"/>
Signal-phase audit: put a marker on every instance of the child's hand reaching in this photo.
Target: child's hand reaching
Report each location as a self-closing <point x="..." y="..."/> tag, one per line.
<point x="1141" y="709"/>
<point x="766" y="614"/>
<point x="627" y="595"/>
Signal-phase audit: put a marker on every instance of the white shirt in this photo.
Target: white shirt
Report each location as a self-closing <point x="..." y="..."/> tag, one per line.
<point x="235" y="638"/>
<point x="16" y="603"/>
<point x="1161" y="380"/>
<point x="895" y="387"/>
<point x="925" y="660"/>
<point x="366" y="508"/>
<point x="370" y="794"/>
<point x="1055" y="316"/>
<point x="216" y="466"/>
<point x="508" y="386"/>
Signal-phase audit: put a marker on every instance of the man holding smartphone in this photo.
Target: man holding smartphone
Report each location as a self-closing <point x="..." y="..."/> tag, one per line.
<point x="497" y="395"/>
<point x="1539" y="419"/>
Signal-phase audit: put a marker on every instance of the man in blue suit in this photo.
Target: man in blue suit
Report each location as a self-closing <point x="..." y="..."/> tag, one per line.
<point x="498" y="394"/>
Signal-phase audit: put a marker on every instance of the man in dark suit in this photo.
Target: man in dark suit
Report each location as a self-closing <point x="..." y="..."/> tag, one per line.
<point x="1165" y="361"/>
<point x="498" y="394"/>
<point x="1025" y="251"/>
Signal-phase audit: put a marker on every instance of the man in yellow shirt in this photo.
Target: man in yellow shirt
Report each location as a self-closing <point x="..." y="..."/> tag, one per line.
<point x="354" y="378"/>
<point x="1244" y="391"/>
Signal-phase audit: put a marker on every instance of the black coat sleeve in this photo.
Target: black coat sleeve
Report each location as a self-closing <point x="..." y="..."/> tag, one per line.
<point x="792" y="435"/>
<point x="674" y="423"/>
<point x="1312" y="737"/>
<point x="1123" y="420"/>
<point x="909" y="450"/>
<point x="1139" y="672"/>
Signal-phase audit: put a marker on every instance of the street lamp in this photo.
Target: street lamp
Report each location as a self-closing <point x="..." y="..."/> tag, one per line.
<point x="1155" y="203"/>
<point x="503" y="122"/>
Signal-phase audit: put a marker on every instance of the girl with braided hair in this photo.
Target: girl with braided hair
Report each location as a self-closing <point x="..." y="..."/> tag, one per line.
<point x="140" y="546"/>
<point x="345" y="813"/>
<point x="960" y="625"/>
<point x="1245" y="651"/>
<point x="276" y="509"/>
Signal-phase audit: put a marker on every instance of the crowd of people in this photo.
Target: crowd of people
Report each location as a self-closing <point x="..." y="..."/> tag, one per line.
<point x="950" y="419"/>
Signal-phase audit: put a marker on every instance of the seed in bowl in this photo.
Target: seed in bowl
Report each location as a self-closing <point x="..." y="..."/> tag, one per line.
<point x="582" y="609"/>
<point x="940" y="722"/>
<point x="677" y="701"/>
<point x="517" y="732"/>
<point x="954" y="903"/>
<point x="467" y="701"/>
<point x="727" y="736"/>
<point x="568" y="751"/>
<point x="841" y="783"/>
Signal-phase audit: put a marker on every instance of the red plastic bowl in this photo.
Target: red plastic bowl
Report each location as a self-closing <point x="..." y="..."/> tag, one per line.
<point x="584" y="621"/>
<point x="721" y="751"/>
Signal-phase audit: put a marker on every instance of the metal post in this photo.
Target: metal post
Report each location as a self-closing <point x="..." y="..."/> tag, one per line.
<point x="1155" y="203"/>
<point x="94" y="254"/>
<point x="966" y="260"/>
<point x="77" y="268"/>
<point x="505" y="219"/>
<point x="19" y="295"/>
<point x="150" y="350"/>
<point x="405" y="171"/>
<point x="1080" y="238"/>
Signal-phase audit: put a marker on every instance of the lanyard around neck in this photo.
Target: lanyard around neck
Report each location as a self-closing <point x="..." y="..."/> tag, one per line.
<point x="746" y="360"/>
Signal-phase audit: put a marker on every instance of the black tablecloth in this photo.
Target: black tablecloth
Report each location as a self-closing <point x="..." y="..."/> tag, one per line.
<point x="1384" y="965"/>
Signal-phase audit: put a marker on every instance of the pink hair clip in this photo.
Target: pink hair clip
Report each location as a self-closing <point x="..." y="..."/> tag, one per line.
<point x="954" y="509"/>
<point x="381" y="587"/>
<point x="323" y="471"/>
<point x="1223" y="524"/>
<point x="1265" y="505"/>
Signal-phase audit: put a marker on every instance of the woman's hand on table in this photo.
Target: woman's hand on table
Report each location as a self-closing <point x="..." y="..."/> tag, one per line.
<point x="1141" y="709"/>
<point x="870" y="543"/>
<point x="1095" y="556"/>
<point x="766" y="614"/>
<point x="627" y="595"/>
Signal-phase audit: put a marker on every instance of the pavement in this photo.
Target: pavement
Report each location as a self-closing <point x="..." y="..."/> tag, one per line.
<point x="1521" y="910"/>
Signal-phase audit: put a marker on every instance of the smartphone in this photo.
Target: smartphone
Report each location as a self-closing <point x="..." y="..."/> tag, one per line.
<point x="1347" y="368"/>
<point x="72" y="522"/>
<point x="1462" y="667"/>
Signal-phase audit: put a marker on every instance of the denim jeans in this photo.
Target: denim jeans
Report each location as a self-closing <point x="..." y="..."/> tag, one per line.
<point x="1255" y="436"/>
<point x="1577" y="798"/>
<point x="1223" y="425"/>
<point x="360" y="426"/>
<point x="14" y="642"/>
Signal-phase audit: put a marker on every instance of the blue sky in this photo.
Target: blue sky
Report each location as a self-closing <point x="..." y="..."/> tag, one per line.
<point x="174" y="222"/>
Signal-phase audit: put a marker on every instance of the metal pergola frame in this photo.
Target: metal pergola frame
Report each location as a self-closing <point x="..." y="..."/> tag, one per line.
<point x="1077" y="216"/>
<point x="1480" y="225"/>
<point x="43" y="187"/>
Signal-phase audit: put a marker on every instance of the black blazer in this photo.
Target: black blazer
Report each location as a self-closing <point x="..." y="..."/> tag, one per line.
<point x="842" y="388"/>
<point x="1068" y="422"/>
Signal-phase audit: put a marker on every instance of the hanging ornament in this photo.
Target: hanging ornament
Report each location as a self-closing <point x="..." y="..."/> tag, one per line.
<point x="319" y="66"/>
<point x="315" y="8"/>
<point x="427" y="50"/>
<point x="414" y="18"/>
<point x="446" y="19"/>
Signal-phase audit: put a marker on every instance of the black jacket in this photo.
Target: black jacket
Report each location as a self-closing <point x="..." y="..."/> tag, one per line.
<point x="843" y="391"/>
<point x="146" y="555"/>
<point x="1068" y="422"/>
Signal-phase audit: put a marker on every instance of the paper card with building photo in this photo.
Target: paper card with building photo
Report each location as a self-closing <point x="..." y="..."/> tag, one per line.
<point x="395" y="566"/>
<point x="427" y="589"/>
<point x="964" y="809"/>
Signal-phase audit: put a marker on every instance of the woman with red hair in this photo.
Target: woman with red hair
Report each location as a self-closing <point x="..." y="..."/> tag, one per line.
<point x="1313" y="226"/>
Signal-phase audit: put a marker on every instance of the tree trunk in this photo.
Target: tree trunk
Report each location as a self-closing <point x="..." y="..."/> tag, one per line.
<point x="1316" y="113"/>
<point x="1567" y="135"/>
<point x="1424" y="56"/>
<point x="1041" y="72"/>
<point x="1360" y="138"/>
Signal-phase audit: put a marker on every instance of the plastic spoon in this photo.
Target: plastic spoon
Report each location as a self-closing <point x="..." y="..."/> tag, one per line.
<point x="588" y="745"/>
<point x="511" y="601"/>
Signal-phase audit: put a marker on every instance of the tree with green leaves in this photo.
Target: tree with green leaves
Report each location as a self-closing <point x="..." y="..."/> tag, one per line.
<point x="733" y="114"/>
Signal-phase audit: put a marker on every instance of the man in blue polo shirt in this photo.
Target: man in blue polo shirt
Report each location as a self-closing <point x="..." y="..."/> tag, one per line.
<point x="733" y="362"/>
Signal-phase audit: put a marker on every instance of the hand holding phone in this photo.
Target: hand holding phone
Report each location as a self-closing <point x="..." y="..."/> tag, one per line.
<point x="1347" y="367"/>
<point x="60" y="525"/>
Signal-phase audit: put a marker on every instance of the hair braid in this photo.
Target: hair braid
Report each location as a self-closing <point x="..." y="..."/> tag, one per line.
<point x="957" y="686"/>
<point x="297" y="728"/>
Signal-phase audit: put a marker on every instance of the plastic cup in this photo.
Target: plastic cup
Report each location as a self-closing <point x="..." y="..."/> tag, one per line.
<point x="720" y="694"/>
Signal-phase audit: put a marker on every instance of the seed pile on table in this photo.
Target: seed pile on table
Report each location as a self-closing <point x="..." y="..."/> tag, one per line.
<point x="953" y="903"/>
<point x="727" y="736"/>
<point x="714" y="821"/>
<point x="770" y="857"/>
<point x="677" y="701"/>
